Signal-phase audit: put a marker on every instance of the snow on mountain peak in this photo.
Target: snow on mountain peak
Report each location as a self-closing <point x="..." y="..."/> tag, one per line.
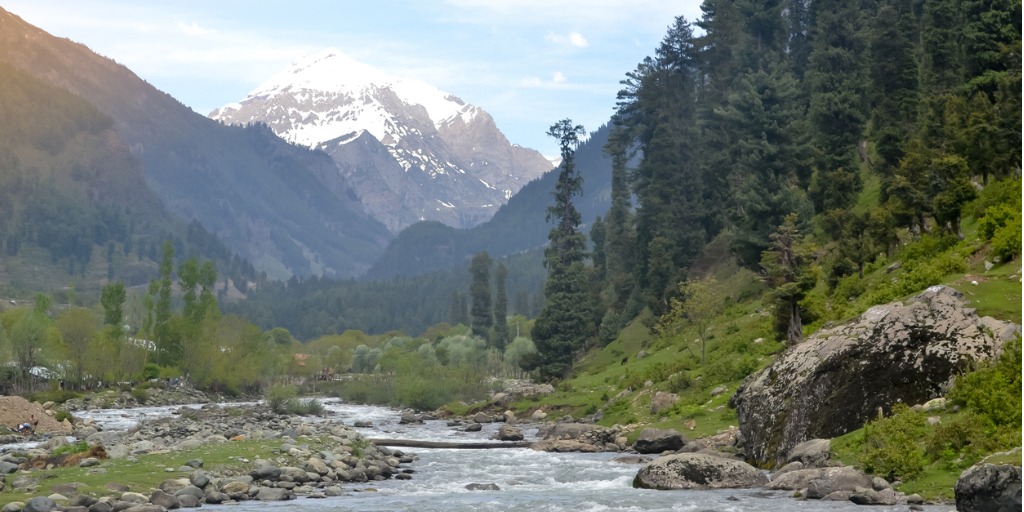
<point x="333" y="72"/>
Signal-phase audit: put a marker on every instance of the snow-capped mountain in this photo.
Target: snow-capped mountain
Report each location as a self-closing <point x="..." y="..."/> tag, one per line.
<point x="410" y="151"/>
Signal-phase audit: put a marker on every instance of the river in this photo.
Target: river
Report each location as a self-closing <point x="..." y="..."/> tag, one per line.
<point x="527" y="480"/>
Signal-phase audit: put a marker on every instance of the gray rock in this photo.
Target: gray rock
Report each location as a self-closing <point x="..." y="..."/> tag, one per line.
<point x="145" y="508"/>
<point x="409" y="418"/>
<point x="989" y="488"/>
<point x="191" y="490"/>
<point x="656" y="440"/>
<point x="88" y="462"/>
<point x="7" y="467"/>
<point x="40" y="504"/>
<point x="274" y="494"/>
<point x="837" y="380"/>
<point x="14" y="506"/>
<point x="482" y="487"/>
<point x="872" y="497"/>
<point x="100" y="506"/>
<point x="189" y="501"/>
<point x="215" y="497"/>
<point x="199" y="479"/>
<point x="134" y="498"/>
<point x="662" y="401"/>
<point x="792" y="466"/>
<point x="813" y="454"/>
<point x="474" y="427"/>
<point x="697" y="471"/>
<point x="509" y="433"/>
<point x="825" y="480"/>
<point x="164" y="500"/>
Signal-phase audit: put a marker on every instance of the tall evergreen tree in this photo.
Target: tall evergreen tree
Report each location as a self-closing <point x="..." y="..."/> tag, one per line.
<point x="500" y="337"/>
<point x="893" y="74"/>
<point x="835" y="81"/>
<point x="481" y="314"/>
<point x="787" y="272"/>
<point x="565" y="322"/>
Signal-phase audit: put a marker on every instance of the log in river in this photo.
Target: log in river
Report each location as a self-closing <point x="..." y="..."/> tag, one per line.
<point x="412" y="443"/>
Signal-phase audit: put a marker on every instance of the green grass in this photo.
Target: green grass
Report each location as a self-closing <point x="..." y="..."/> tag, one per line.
<point x="150" y="470"/>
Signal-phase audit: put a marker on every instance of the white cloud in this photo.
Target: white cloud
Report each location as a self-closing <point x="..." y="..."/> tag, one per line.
<point x="558" y="77"/>
<point x="193" y="29"/>
<point x="572" y="39"/>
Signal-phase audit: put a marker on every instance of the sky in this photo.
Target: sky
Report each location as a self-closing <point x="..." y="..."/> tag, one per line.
<point x="528" y="63"/>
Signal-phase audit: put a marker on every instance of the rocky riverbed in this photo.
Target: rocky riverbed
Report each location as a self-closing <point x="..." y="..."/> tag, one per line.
<point x="303" y="457"/>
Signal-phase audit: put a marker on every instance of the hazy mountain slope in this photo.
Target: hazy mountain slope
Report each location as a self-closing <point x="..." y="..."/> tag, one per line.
<point x="410" y="151"/>
<point x="517" y="226"/>
<point x="74" y="206"/>
<point x="281" y="206"/>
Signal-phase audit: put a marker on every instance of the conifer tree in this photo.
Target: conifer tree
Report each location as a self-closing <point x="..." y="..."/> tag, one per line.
<point x="481" y="315"/>
<point x="500" y="337"/>
<point x="835" y="81"/>
<point x="787" y="273"/>
<point x="565" y="322"/>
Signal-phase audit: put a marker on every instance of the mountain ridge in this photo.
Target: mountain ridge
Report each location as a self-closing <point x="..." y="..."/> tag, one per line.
<point x="448" y="160"/>
<point x="283" y="207"/>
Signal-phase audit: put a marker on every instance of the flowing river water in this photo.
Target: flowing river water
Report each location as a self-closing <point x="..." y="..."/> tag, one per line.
<point x="527" y="480"/>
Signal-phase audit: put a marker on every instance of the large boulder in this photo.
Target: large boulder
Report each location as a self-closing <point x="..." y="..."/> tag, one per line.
<point x="697" y="471"/>
<point x="989" y="488"/>
<point x="657" y="440"/>
<point x="812" y="454"/>
<point x="820" y="482"/>
<point x="839" y="378"/>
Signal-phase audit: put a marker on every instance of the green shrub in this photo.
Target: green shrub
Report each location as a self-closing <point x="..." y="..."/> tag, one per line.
<point x="278" y="396"/>
<point x="304" y="407"/>
<point x="70" y="448"/>
<point x="891" y="447"/>
<point x="140" y="394"/>
<point x="150" y="371"/>
<point x="62" y="415"/>
<point x="958" y="442"/>
<point x="994" y="391"/>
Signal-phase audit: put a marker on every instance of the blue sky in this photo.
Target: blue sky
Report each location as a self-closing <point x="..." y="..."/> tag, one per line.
<point x="527" y="62"/>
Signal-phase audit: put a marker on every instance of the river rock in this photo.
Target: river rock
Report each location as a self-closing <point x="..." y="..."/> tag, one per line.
<point x="40" y="504"/>
<point x="989" y="488"/>
<point x="837" y="379"/>
<point x="409" y="418"/>
<point x="813" y="454"/>
<point x="134" y="498"/>
<point x="820" y="482"/>
<point x="657" y="440"/>
<point x="697" y="471"/>
<point x="164" y="500"/>
<point x="474" y="427"/>
<point x="274" y="494"/>
<point x="482" y="487"/>
<point x="509" y="433"/>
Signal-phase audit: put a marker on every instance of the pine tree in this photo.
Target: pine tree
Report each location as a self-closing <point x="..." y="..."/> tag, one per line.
<point x="835" y="81"/>
<point x="500" y="337"/>
<point x="788" y="275"/>
<point x="565" y="322"/>
<point x="481" y="315"/>
<point x="893" y="91"/>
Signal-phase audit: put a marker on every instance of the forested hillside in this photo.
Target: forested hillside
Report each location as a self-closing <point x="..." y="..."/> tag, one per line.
<point x="73" y="198"/>
<point x="282" y="207"/>
<point x="519" y="225"/>
<point x="817" y="136"/>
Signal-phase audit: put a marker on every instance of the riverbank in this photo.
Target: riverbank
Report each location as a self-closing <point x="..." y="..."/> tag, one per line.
<point x="187" y="452"/>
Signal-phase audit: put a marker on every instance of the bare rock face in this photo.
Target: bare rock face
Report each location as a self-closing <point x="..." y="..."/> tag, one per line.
<point x="698" y="471"/>
<point x="989" y="488"/>
<point x="841" y="377"/>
